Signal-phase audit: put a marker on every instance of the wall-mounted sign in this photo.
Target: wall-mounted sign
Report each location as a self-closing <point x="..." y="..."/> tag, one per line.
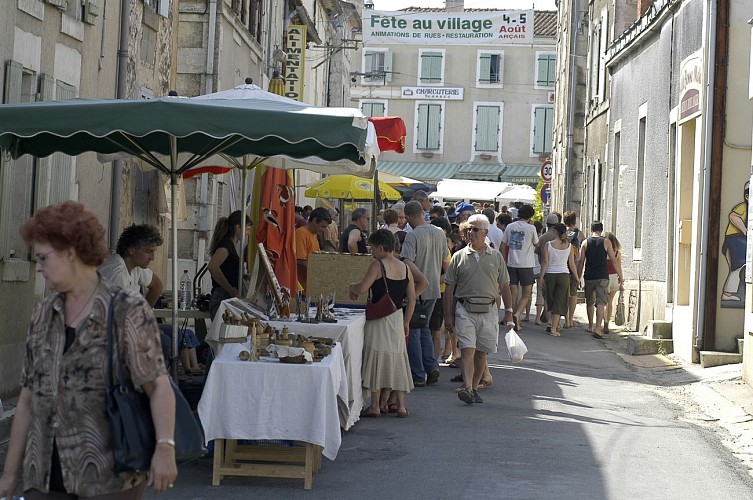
<point x="546" y="171"/>
<point x="545" y="193"/>
<point x="295" y="46"/>
<point x="448" y="28"/>
<point x="691" y="85"/>
<point x="444" y="93"/>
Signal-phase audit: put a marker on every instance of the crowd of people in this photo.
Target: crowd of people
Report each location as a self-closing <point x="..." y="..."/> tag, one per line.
<point x="475" y="263"/>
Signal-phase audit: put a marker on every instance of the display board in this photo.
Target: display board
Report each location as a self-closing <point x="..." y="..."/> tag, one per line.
<point x="334" y="272"/>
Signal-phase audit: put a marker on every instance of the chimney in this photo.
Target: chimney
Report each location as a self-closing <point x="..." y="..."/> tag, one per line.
<point x="454" y="5"/>
<point x="643" y="6"/>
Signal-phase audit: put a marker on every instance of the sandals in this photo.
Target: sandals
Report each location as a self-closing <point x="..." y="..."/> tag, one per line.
<point x="368" y="414"/>
<point x="457" y="378"/>
<point x="455" y="363"/>
<point x="392" y="408"/>
<point x="402" y="413"/>
<point x="597" y="336"/>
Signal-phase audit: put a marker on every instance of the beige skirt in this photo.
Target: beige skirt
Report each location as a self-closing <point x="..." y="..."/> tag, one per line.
<point x="385" y="358"/>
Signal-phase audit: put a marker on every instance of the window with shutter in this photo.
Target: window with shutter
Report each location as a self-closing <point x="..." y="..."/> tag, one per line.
<point x="546" y="69"/>
<point x="487" y="128"/>
<point x="489" y="68"/>
<point x="377" y="66"/>
<point x="542" y="129"/>
<point x="91" y="10"/>
<point x="17" y="190"/>
<point x="429" y="127"/>
<point x="371" y="108"/>
<point x="431" y="67"/>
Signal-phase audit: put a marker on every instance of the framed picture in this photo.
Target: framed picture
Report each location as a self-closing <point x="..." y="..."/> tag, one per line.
<point x="274" y="285"/>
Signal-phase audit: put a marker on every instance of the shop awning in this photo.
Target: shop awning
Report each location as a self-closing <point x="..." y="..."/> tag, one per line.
<point x="480" y="171"/>
<point x="427" y="172"/>
<point x="521" y="174"/>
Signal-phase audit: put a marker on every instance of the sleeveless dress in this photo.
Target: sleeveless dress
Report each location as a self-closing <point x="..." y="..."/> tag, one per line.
<point x="385" y="358"/>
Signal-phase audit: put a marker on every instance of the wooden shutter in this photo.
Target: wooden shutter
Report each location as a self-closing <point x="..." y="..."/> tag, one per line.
<point x="91" y="10"/>
<point x="44" y="165"/>
<point x="551" y="75"/>
<point x="163" y="8"/>
<point x="61" y="4"/>
<point x="431" y="67"/>
<point x="387" y="66"/>
<point x="13" y="78"/>
<point x="603" y="54"/>
<point x="542" y="130"/>
<point x="61" y="168"/>
<point x="487" y="128"/>
<point x="434" y="126"/>
<point x="541" y="70"/>
<point x="485" y="68"/>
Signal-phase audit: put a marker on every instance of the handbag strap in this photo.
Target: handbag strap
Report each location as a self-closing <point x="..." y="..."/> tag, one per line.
<point x="111" y="338"/>
<point x="384" y="278"/>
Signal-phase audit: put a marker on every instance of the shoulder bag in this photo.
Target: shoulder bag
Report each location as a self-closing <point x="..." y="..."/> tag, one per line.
<point x="130" y="416"/>
<point x="619" y="314"/>
<point x="384" y="306"/>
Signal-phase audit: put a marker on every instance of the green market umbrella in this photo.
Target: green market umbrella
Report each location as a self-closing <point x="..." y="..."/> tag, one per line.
<point x="157" y="131"/>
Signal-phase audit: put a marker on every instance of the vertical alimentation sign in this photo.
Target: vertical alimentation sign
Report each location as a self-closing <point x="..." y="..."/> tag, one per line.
<point x="296" y="49"/>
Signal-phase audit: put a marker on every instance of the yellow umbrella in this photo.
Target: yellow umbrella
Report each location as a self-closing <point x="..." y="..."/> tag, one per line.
<point x="350" y="187"/>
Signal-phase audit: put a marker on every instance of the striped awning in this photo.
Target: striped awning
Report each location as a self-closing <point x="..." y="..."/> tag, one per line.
<point x="480" y="171"/>
<point x="521" y="174"/>
<point x="427" y="172"/>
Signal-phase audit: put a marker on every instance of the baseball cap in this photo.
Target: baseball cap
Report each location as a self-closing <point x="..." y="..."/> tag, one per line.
<point x="552" y="219"/>
<point x="464" y="207"/>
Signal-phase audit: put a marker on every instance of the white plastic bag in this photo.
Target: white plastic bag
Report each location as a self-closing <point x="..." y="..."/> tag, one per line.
<point x="516" y="346"/>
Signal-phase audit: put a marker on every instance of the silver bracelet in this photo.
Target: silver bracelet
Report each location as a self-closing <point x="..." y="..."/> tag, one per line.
<point x="166" y="441"/>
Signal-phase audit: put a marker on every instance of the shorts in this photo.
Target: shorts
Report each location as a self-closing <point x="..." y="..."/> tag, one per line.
<point x="574" y="282"/>
<point x="557" y="288"/>
<point x="597" y="289"/>
<point x="478" y="331"/>
<point x="437" y="315"/>
<point x="614" y="283"/>
<point x="521" y="276"/>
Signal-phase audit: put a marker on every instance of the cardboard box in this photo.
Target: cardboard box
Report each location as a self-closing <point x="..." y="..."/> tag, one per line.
<point x="333" y="272"/>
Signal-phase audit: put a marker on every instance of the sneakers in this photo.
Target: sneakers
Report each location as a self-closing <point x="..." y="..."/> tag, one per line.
<point x="466" y="396"/>
<point x="433" y="377"/>
<point x="476" y="398"/>
<point x="469" y="396"/>
<point x="419" y="383"/>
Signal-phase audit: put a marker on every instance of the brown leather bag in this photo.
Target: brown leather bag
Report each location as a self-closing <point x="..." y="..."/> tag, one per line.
<point x="384" y="306"/>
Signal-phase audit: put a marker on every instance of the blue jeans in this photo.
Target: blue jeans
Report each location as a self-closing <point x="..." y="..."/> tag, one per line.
<point x="421" y="345"/>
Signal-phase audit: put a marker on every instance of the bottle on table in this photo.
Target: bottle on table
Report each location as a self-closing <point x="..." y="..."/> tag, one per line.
<point x="184" y="294"/>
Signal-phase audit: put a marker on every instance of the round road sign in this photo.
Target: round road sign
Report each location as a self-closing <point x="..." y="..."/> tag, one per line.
<point x="546" y="171"/>
<point x="545" y="193"/>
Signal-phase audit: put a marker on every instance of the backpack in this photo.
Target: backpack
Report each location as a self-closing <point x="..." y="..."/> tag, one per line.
<point x="575" y="241"/>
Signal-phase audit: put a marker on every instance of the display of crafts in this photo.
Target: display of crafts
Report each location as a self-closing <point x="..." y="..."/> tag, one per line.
<point x="284" y="345"/>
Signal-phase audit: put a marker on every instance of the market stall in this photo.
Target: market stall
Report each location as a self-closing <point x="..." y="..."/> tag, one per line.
<point x="270" y="400"/>
<point x="347" y="331"/>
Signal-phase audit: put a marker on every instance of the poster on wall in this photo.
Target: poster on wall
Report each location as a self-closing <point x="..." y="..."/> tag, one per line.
<point x="448" y="28"/>
<point x="735" y="250"/>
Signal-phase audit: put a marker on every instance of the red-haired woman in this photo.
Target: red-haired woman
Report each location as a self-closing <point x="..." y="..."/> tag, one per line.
<point x="60" y="431"/>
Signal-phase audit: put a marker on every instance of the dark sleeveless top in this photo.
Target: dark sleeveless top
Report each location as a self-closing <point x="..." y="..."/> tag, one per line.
<point x="596" y="260"/>
<point x="230" y="267"/>
<point x="344" y="240"/>
<point x="396" y="288"/>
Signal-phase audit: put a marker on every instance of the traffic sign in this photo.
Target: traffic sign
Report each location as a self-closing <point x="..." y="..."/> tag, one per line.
<point x="545" y="193"/>
<point x="546" y="171"/>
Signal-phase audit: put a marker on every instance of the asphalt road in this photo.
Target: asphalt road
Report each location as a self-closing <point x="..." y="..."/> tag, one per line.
<point x="572" y="421"/>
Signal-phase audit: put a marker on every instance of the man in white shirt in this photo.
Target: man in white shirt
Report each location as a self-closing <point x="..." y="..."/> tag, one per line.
<point x="495" y="234"/>
<point x="128" y="268"/>
<point x="521" y="238"/>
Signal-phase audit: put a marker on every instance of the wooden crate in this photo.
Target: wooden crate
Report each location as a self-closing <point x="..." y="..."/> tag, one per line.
<point x="333" y="272"/>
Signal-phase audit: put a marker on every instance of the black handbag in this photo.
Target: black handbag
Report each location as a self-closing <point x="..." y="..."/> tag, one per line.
<point x="419" y="319"/>
<point x="382" y="307"/>
<point x="130" y="416"/>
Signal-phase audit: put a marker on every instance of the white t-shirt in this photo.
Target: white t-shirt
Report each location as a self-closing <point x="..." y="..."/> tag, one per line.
<point x="495" y="236"/>
<point x="115" y="271"/>
<point x="520" y="237"/>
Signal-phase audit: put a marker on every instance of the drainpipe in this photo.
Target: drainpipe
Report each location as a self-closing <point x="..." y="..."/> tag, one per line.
<point x="702" y="341"/>
<point x="210" y="45"/>
<point x="121" y="93"/>
<point x="574" y="19"/>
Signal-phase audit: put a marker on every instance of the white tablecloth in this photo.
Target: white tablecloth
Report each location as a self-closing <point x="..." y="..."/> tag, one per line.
<point x="347" y="331"/>
<point x="271" y="400"/>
